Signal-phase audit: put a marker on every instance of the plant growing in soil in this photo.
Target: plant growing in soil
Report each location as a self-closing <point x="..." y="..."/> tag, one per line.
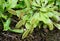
<point x="31" y="14"/>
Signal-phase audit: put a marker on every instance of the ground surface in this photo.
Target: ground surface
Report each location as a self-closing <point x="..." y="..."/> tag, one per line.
<point x="37" y="35"/>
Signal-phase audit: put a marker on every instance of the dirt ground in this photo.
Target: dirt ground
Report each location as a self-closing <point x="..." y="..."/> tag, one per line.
<point x="37" y="35"/>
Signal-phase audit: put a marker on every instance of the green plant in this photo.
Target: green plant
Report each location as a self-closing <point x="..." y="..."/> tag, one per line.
<point x="31" y="13"/>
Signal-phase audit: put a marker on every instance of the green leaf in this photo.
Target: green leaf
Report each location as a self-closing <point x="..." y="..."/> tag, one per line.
<point x="35" y="4"/>
<point x="38" y="2"/>
<point x="19" y="24"/>
<point x="17" y="30"/>
<point x="20" y="5"/>
<point x="27" y="2"/>
<point x="25" y="34"/>
<point x="57" y="25"/>
<point x="28" y="25"/>
<point x="20" y="13"/>
<point x="50" y="14"/>
<point x="6" y="25"/>
<point x="2" y="5"/>
<point x="56" y="18"/>
<point x="51" y="27"/>
<point x="46" y="20"/>
<point x="34" y="19"/>
<point x="58" y="2"/>
<point x="13" y="12"/>
<point x="3" y="16"/>
<point x="11" y="3"/>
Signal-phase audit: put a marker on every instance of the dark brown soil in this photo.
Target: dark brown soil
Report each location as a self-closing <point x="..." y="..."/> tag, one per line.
<point x="37" y="35"/>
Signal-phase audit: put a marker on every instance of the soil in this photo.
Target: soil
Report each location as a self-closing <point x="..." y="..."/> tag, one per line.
<point x="37" y="35"/>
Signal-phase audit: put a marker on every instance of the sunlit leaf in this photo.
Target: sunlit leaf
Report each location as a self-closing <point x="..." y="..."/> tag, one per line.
<point x="11" y="3"/>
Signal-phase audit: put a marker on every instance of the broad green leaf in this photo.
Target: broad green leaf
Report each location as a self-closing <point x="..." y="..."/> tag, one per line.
<point x="11" y="4"/>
